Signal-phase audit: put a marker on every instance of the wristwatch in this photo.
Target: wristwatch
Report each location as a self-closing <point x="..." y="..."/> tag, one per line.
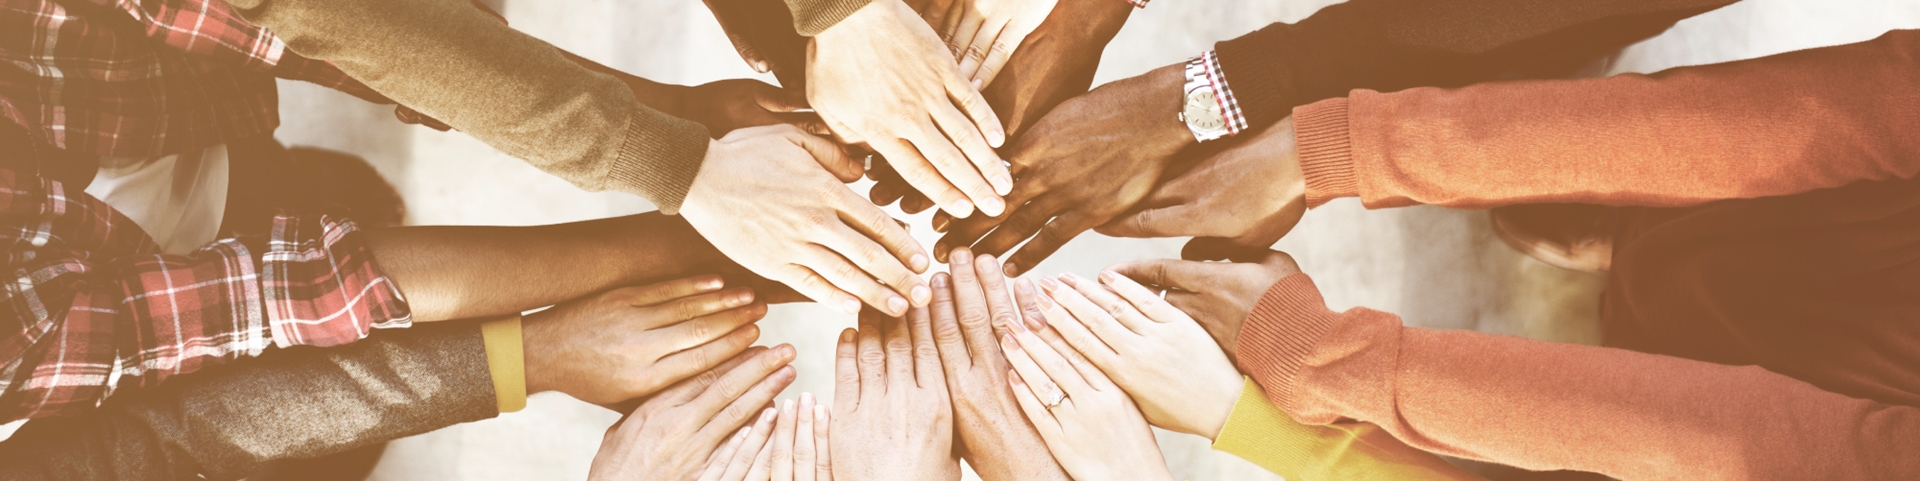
<point x="1209" y="111"/>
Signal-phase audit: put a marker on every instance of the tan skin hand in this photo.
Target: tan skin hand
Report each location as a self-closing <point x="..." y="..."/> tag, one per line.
<point x="785" y="444"/>
<point x="891" y="417"/>
<point x="1084" y="164"/>
<point x="984" y="33"/>
<point x="1250" y="194"/>
<point x="1218" y="295"/>
<point x="630" y="342"/>
<point x="998" y="441"/>
<point x="1161" y="357"/>
<point x="673" y="435"/>
<point x="764" y="199"/>
<point x="932" y="126"/>
<point x="1095" y="431"/>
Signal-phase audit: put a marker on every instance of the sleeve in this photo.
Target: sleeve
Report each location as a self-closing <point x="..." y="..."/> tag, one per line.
<point x="506" y="362"/>
<point x="222" y="424"/>
<point x="1390" y="45"/>
<point x="93" y="307"/>
<point x="1549" y="406"/>
<point x="211" y="30"/>
<point x="516" y="93"/>
<point x="1771" y="126"/>
<point x="810" y="17"/>
<point x="1258" y="432"/>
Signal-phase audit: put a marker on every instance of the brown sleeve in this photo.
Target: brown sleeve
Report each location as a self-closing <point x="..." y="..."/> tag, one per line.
<point x="227" y="422"/>
<point x="810" y="17"/>
<point x="1548" y="406"/>
<point x="457" y="64"/>
<point x="1771" y="126"/>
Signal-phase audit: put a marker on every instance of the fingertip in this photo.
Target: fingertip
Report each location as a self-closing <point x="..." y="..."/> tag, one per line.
<point x="1010" y="268"/>
<point x="850" y="305"/>
<point x="940" y="280"/>
<point x="896" y="305"/>
<point x="960" y="209"/>
<point x="846" y="335"/>
<point x="993" y="206"/>
<point x="918" y="263"/>
<point x="921" y="295"/>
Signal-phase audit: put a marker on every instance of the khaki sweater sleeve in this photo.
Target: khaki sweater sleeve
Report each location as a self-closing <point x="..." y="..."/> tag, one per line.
<point x="1548" y="406"/>
<point x="227" y="422"/>
<point x="1776" y="125"/>
<point x="810" y="17"/>
<point x="516" y="93"/>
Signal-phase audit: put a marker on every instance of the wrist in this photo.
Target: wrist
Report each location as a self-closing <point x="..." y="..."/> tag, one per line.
<point x="1216" y="415"/>
<point x="535" y="339"/>
<point x="1162" y="92"/>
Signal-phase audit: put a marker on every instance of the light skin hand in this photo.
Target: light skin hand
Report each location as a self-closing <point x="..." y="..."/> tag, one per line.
<point x="673" y="435"/>
<point x="784" y="446"/>
<point x="931" y="124"/>
<point x="1096" y="432"/>
<point x="998" y="441"/>
<point x="1250" y="194"/>
<point x="630" y="342"/>
<point x="1084" y="164"/>
<point x="764" y="199"/>
<point x="891" y="417"/>
<point x="984" y="33"/>
<point x="1218" y="295"/>
<point x="1166" y="361"/>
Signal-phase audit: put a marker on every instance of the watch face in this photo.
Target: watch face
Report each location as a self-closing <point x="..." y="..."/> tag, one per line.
<point x="1203" y="112"/>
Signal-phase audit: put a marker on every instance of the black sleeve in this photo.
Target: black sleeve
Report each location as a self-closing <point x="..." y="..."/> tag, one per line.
<point x="1390" y="45"/>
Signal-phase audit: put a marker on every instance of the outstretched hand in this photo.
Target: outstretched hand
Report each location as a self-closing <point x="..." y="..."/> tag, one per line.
<point x="891" y="414"/>
<point x="673" y="435"/>
<point x="1218" y="295"/>
<point x="1250" y="194"/>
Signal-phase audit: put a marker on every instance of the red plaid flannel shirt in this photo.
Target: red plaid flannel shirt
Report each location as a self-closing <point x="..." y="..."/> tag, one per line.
<point x="129" y="78"/>
<point x="93" y="306"/>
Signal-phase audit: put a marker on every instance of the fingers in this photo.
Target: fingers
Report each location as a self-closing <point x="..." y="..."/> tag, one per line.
<point x="963" y="31"/>
<point x="835" y="159"/>
<point x="782" y="455"/>
<point x="873" y="357"/>
<point x="1116" y="308"/>
<point x="846" y="371"/>
<point x="926" y="357"/>
<point x="1073" y="330"/>
<point x="900" y="355"/>
<point x="846" y="276"/>
<point x="873" y="223"/>
<point x="994" y="285"/>
<point x="743" y="459"/>
<point x="808" y="282"/>
<point x="1002" y="50"/>
<point x="1050" y="239"/>
<point x="978" y="49"/>
<point x="976" y="325"/>
<point x="920" y="173"/>
<point x="1033" y="379"/>
<point x="895" y="281"/>
<point x="1020" y="224"/>
<point x="1143" y="299"/>
<point x="1049" y="361"/>
<point x="966" y="135"/>
<point x="723" y="457"/>
<point x="1057" y="345"/>
<point x="704" y="356"/>
<point x="687" y="389"/>
<point x="709" y="316"/>
<point x="946" y="329"/>
<point x="1037" y="413"/>
<point x="748" y="54"/>
<point x="744" y="384"/>
<point x="653" y="294"/>
<point x="743" y="408"/>
<point x="1090" y="315"/>
<point x="1190" y="276"/>
<point x="966" y="96"/>
<point x="762" y="467"/>
<point x="1169" y="221"/>
<point x="823" y="457"/>
<point x="802" y="466"/>
<point x="941" y="145"/>
<point x="776" y="99"/>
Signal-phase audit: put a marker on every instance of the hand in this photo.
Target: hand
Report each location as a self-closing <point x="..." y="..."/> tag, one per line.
<point x="788" y="447"/>
<point x="984" y="33"/>
<point x="891" y="419"/>
<point x="1217" y="295"/>
<point x="1158" y="355"/>
<point x="629" y="342"/>
<point x="1088" y="422"/>
<point x="1250" y="194"/>
<point x="727" y="105"/>
<point x="998" y="442"/>
<point x="882" y="77"/>
<point x="1056" y="63"/>
<point x="1085" y="163"/>
<point x="673" y="434"/>
<point x="763" y="200"/>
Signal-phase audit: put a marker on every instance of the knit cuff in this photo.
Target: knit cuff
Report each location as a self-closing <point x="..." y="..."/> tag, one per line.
<point x="659" y="159"/>
<point x="1326" y="150"/>
<point x="506" y="362"/>
<point x="1260" y="82"/>
<point x="1285" y="326"/>
<point x="810" y="17"/>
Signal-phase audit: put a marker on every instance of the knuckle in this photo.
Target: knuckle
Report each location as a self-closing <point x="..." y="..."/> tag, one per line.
<point x="873" y="357"/>
<point x="925" y="351"/>
<point x="973" y="316"/>
<point x="976" y="53"/>
<point x="737" y="411"/>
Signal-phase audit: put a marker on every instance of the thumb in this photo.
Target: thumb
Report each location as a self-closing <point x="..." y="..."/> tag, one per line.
<point x="749" y="54"/>
<point x="1190" y="276"/>
<point x="776" y="99"/>
<point x="831" y="156"/>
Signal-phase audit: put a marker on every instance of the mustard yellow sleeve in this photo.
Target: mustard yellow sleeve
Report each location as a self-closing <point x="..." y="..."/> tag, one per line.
<point x="507" y="362"/>
<point x="1259" y="432"/>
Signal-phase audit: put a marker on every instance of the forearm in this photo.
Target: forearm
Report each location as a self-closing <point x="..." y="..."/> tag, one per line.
<point x="227" y="423"/>
<point x="1771" y="126"/>
<point x="458" y="272"/>
<point x="1547" y="406"/>
<point x="462" y="66"/>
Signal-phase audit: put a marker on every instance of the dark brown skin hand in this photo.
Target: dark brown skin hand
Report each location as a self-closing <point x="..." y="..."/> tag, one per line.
<point x="762" y="31"/>
<point x="996" y="438"/>
<point x="1249" y="194"/>
<point x="1087" y="162"/>
<point x="1216" y="294"/>
<point x="628" y="343"/>
<point x="726" y="105"/>
<point x="1055" y="63"/>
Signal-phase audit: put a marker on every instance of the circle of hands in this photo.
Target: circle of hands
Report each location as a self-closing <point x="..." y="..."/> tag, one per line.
<point x="1024" y="378"/>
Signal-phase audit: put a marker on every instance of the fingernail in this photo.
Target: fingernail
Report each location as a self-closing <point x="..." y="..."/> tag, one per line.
<point x="761" y="67"/>
<point x="1010" y="268"/>
<point x="896" y="305"/>
<point x="1002" y="184"/>
<point x="977" y="84"/>
<point x="992" y="206"/>
<point x="921" y="296"/>
<point x="1023" y="286"/>
<point x="712" y="283"/>
<point x="783" y="350"/>
<point x="960" y="256"/>
<point x="1106" y="277"/>
<point x="1006" y="342"/>
<point x="787" y="407"/>
<point x="1070" y="279"/>
<point x="940" y="224"/>
<point x="740" y="299"/>
<point x="1048" y="284"/>
<point x="939" y="280"/>
<point x="918" y="263"/>
<point x="1036" y="323"/>
<point x="850" y="306"/>
<point x="987" y="262"/>
<point x="961" y="209"/>
<point x="846" y="335"/>
<point x="996" y="137"/>
<point x="766" y="415"/>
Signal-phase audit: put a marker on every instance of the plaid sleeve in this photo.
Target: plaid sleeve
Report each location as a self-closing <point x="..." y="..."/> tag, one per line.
<point x="93" y="306"/>
<point x="212" y="30"/>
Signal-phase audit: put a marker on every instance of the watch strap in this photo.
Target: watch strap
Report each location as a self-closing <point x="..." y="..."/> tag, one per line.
<point x="1203" y="74"/>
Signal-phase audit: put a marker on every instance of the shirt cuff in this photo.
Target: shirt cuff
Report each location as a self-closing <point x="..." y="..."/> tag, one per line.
<point x="506" y="361"/>
<point x="321" y="287"/>
<point x="1326" y="150"/>
<point x="810" y="17"/>
<point x="1285" y="326"/>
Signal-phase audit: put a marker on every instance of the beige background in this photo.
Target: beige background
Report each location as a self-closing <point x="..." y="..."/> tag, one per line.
<point x="1439" y="267"/>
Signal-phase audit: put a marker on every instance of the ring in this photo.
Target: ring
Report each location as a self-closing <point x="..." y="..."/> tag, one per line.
<point x="1058" y="396"/>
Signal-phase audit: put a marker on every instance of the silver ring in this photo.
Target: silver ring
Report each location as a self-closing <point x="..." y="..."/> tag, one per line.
<point x="1058" y="396"/>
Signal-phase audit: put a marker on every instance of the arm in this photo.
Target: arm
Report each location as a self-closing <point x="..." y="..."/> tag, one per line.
<point x="581" y="126"/>
<point x="1777" y="125"/>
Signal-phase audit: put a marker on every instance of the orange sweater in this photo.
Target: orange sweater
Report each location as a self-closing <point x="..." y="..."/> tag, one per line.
<point x="1779" y="125"/>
